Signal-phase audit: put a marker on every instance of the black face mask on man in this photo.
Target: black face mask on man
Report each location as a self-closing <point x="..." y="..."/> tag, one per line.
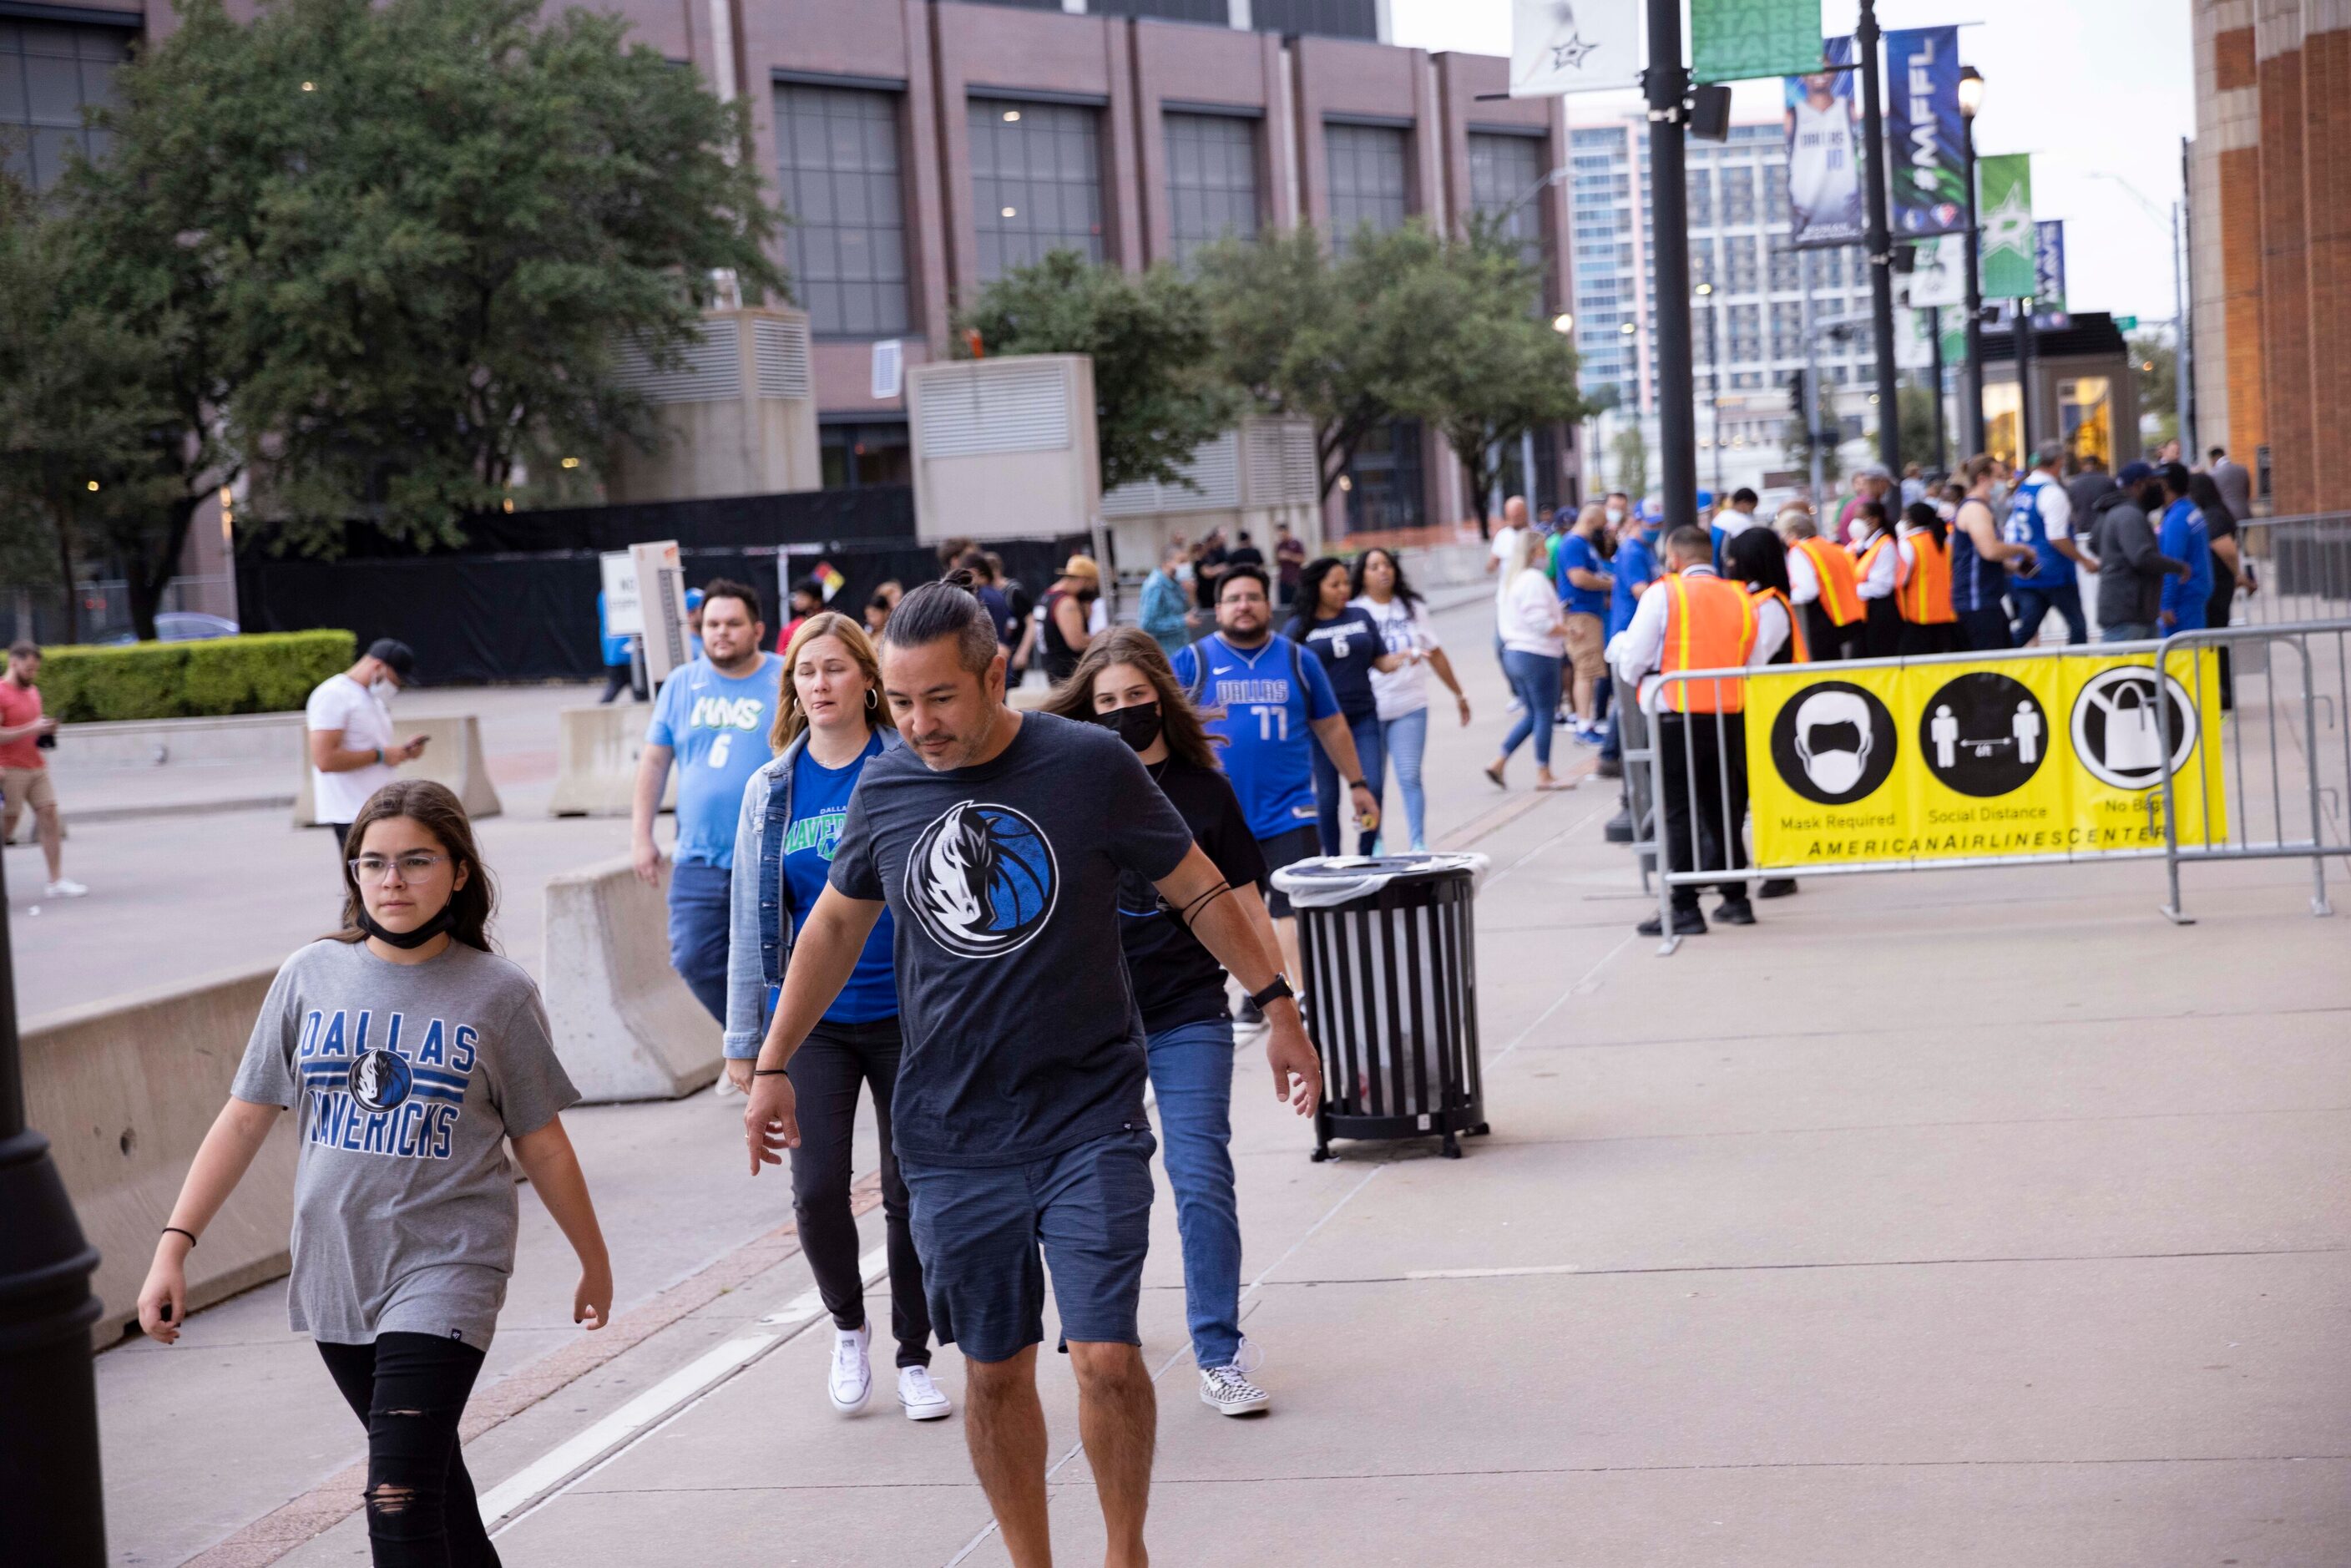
<point x="1137" y="725"/>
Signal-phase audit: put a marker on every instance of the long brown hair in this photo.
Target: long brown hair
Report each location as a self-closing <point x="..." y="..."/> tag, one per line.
<point x="789" y="718"/>
<point x="1179" y="722"/>
<point x="432" y="808"/>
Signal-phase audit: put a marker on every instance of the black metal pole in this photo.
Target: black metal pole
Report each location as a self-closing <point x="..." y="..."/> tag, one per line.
<point x="1666" y="82"/>
<point x="1971" y="420"/>
<point x="1880" y="242"/>
<point x="1934" y="347"/>
<point x="1714" y="397"/>
<point x="2024" y="384"/>
<point x="51" y="1506"/>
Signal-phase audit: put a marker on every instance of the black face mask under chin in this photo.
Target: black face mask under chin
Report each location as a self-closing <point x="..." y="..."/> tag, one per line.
<point x="406" y="939"/>
<point x="1137" y="725"/>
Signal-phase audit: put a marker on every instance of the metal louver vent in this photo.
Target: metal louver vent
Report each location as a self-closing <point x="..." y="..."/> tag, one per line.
<point x="1003" y="407"/>
<point x="1214" y="467"/>
<point x="781" y="349"/>
<point x="711" y="370"/>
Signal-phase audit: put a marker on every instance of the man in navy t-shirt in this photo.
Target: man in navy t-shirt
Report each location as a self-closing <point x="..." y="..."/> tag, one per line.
<point x="1019" y="1118"/>
<point x="712" y="717"/>
<point x="1277" y="705"/>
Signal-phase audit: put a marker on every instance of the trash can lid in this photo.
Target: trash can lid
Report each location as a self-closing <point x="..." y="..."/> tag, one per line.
<point x="1328" y="880"/>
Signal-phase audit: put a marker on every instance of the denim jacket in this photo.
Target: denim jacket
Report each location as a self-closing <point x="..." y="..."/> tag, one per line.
<point x="759" y="917"/>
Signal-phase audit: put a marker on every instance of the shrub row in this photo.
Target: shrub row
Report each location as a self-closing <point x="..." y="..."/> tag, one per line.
<point x="267" y="672"/>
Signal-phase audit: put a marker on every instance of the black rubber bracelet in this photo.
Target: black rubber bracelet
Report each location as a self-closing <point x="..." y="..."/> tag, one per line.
<point x="1357" y="784"/>
<point x="769" y="1071"/>
<point x="175" y="1231"/>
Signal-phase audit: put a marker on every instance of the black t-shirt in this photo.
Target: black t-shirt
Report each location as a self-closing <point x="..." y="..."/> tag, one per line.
<point x="1247" y="555"/>
<point x="1175" y="979"/>
<point x="1021" y="1034"/>
<point x="1346" y="644"/>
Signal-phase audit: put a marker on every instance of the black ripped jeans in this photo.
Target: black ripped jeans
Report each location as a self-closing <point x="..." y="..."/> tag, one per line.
<point x="411" y="1389"/>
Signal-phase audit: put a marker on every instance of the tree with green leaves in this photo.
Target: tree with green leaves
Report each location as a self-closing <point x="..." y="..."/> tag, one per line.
<point x="1630" y="449"/>
<point x="1797" y="442"/>
<point x="1918" y="411"/>
<point x="1158" y="391"/>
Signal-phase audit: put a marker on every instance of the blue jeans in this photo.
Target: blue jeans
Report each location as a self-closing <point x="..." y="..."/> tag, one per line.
<point x="1534" y="679"/>
<point x="2033" y="605"/>
<point x="1404" y="739"/>
<point x="1330" y="799"/>
<point x="1192" y="1078"/>
<point x="697" y="931"/>
<point x="2126" y="631"/>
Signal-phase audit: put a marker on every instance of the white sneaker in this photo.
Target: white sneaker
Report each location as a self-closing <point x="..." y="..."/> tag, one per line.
<point x="1227" y="1391"/>
<point x="851" y="1382"/>
<point x="65" y="887"/>
<point x="724" y="1086"/>
<point x="920" y="1397"/>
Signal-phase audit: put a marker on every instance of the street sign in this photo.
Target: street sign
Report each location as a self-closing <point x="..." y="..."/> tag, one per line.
<point x="623" y="617"/>
<point x="660" y="589"/>
<point x="2125" y="323"/>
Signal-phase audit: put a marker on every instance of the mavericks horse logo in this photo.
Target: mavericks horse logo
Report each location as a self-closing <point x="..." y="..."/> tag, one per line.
<point x="981" y="880"/>
<point x="380" y="1081"/>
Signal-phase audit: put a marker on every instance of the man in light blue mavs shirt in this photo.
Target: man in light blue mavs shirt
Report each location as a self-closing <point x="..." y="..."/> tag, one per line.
<point x="712" y="717"/>
<point x="1277" y="705"/>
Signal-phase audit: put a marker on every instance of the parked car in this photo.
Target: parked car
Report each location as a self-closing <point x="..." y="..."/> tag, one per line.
<point x="184" y="626"/>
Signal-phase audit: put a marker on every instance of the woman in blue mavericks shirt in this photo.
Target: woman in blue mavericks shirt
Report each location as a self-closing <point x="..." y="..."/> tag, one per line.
<point x="830" y="721"/>
<point x="1348" y="642"/>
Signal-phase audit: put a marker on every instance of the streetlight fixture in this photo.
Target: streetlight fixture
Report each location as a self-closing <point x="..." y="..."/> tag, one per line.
<point x="1971" y="420"/>
<point x="1564" y="323"/>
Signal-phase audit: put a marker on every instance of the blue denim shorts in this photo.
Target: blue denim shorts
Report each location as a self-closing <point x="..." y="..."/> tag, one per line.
<point x="978" y="1231"/>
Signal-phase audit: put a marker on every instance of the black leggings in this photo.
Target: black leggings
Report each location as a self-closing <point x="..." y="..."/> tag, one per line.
<point x="826" y="1072"/>
<point x="410" y="1389"/>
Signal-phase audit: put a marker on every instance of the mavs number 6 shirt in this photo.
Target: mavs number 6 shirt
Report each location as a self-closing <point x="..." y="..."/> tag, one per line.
<point x="718" y="725"/>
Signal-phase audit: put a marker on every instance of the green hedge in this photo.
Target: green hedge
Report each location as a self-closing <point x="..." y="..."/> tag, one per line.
<point x="270" y="673"/>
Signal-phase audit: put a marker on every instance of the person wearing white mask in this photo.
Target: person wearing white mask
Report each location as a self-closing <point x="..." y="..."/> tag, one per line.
<point x="352" y="752"/>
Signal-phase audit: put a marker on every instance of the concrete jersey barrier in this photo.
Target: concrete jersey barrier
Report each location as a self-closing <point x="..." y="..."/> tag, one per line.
<point x="126" y="1089"/>
<point x="453" y="756"/>
<point x="625" y="1026"/>
<point x="597" y="748"/>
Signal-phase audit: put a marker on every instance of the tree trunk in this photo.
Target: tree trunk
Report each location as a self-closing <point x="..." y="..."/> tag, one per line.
<point x="149" y="578"/>
<point x="63" y="519"/>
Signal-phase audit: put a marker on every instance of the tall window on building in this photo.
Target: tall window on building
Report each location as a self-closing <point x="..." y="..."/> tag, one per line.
<point x="1738" y="265"/>
<point x="1330" y="18"/>
<point x="1783" y="269"/>
<point x="1036" y="181"/>
<point x="1370" y="180"/>
<point x="1383" y="479"/>
<point x="846" y="243"/>
<point x="1738" y="194"/>
<point x="1211" y="180"/>
<point x="48" y="73"/>
<point x="1503" y="172"/>
<point x="1702" y="198"/>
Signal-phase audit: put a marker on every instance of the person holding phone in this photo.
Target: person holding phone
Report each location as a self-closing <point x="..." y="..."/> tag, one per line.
<point x="352" y="752"/>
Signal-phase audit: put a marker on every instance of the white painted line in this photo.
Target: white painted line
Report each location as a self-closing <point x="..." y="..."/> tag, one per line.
<point x="558" y="1466"/>
<point x="1493" y="1273"/>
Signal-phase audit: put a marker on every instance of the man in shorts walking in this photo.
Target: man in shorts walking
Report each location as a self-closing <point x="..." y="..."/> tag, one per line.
<point x="1019" y="1119"/>
<point x="25" y="732"/>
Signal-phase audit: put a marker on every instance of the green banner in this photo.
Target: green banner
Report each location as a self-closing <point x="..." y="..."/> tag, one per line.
<point x="1737" y="40"/>
<point x="2005" y="203"/>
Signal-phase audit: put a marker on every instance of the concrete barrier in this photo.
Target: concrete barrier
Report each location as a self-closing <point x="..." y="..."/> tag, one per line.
<point x="453" y="756"/>
<point x="625" y="1026"/>
<point x="154" y="742"/>
<point x="596" y="752"/>
<point x="126" y="1089"/>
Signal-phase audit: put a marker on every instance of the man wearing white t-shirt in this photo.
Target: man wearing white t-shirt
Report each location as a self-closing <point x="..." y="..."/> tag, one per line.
<point x="1514" y="522"/>
<point x="352" y="752"/>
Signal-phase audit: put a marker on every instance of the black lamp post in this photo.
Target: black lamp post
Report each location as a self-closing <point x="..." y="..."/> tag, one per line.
<point x="1878" y="240"/>
<point x="1665" y="85"/>
<point x="51" y="1508"/>
<point x="1972" y="421"/>
<point x="1713" y="388"/>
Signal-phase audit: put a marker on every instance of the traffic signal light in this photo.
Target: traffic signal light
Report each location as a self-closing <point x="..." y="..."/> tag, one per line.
<point x="1798" y="403"/>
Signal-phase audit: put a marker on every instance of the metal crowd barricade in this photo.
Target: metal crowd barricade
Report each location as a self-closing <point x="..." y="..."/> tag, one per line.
<point x="2285" y="750"/>
<point x="2301" y="568"/>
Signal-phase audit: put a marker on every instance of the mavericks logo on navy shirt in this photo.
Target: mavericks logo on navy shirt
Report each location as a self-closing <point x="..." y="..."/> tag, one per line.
<point x="981" y="879"/>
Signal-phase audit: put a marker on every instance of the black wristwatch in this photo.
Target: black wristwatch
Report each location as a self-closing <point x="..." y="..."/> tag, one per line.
<point x="1358" y="784"/>
<point x="1273" y="993"/>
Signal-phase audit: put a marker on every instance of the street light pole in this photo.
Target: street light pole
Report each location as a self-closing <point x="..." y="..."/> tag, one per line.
<point x="1879" y="242"/>
<point x="1934" y="347"/>
<point x="1971" y="420"/>
<point x="48" y="1397"/>
<point x="1666" y="82"/>
<point x="1713" y="389"/>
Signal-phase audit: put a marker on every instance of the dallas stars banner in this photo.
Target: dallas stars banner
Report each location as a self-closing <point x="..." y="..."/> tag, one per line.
<point x="1923" y="130"/>
<point x="1738" y="40"/>
<point x="1574" y="46"/>
<point x="2004" y="202"/>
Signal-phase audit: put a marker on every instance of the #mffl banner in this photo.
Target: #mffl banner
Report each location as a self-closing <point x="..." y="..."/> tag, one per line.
<point x="1824" y="149"/>
<point x="1739" y="40"/>
<point x="2049" y="264"/>
<point x="2005" y="203"/>
<point x="1923" y="130"/>
<point x="1574" y="45"/>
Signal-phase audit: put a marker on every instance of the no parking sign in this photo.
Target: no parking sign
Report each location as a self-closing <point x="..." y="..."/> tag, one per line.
<point x="2032" y="755"/>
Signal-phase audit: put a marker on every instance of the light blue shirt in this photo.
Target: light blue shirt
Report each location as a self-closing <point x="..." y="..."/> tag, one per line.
<point x="718" y="728"/>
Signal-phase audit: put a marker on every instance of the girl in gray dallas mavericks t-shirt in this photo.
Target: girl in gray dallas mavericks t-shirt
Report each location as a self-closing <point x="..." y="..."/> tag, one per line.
<point x="407" y="1079"/>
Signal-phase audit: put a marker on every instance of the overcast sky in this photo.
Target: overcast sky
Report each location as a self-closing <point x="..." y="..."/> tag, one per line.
<point x="2090" y="87"/>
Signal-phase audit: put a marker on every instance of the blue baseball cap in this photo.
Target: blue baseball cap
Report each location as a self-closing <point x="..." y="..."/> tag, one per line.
<point x="693" y="599"/>
<point x="2132" y="473"/>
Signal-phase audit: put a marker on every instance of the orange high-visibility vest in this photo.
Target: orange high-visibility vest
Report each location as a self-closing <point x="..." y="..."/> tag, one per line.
<point x="1709" y="625"/>
<point x="1868" y="561"/>
<point x="1800" y="651"/>
<point x="1840" y="590"/>
<point x="1926" y="598"/>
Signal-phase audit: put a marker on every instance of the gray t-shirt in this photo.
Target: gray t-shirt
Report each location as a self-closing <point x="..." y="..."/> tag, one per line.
<point x="407" y="1079"/>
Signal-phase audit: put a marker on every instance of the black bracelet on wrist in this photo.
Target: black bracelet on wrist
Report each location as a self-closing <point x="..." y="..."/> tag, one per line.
<point x="769" y="1071"/>
<point x="175" y="1231"/>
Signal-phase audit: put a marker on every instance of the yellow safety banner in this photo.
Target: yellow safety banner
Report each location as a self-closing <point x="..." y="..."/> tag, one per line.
<point x="2030" y="754"/>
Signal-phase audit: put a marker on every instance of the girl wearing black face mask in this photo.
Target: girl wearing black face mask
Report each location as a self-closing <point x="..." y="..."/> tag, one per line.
<point x="1125" y="683"/>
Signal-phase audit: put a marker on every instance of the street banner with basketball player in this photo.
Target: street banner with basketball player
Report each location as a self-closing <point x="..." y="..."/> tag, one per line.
<point x="1574" y="46"/>
<point x="1823" y="152"/>
<point x="1741" y="40"/>
<point x="2043" y="756"/>
<point x="1924" y="131"/>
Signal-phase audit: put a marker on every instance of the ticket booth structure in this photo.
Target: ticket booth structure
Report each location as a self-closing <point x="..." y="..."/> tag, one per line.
<point x="2084" y="390"/>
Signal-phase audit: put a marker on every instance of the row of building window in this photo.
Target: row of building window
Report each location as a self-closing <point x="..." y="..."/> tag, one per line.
<point x="49" y="73"/>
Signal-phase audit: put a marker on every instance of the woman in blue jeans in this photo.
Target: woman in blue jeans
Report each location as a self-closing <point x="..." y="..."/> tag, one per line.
<point x="1125" y="683"/>
<point x="1348" y="642"/>
<point x="1382" y="593"/>
<point x="1534" y="641"/>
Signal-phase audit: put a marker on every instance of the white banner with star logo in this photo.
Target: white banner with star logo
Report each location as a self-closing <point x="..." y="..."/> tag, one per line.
<point x="1574" y="46"/>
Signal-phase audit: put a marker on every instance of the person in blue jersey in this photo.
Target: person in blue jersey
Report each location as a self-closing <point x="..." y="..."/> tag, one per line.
<point x="831" y="721"/>
<point x="1346" y="639"/>
<point x="1278" y="707"/>
<point x="2041" y="516"/>
<point x="711" y="718"/>
<point x="614" y="649"/>
<point x="2184" y="536"/>
<point x="1581" y="575"/>
<point x="1632" y="569"/>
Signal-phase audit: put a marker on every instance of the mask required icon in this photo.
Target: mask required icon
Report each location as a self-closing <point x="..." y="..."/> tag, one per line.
<point x="1834" y="744"/>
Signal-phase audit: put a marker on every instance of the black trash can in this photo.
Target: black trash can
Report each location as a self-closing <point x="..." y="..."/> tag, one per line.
<point x="1389" y="945"/>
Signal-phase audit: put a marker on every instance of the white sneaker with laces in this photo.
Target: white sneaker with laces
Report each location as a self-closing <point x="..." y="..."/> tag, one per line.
<point x="851" y="1382"/>
<point x="724" y="1086"/>
<point x="1227" y="1391"/>
<point x="920" y="1397"/>
<point x="65" y="887"/>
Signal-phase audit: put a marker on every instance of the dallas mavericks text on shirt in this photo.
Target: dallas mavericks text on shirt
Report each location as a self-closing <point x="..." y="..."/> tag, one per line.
<point x="1268" y="699"/>
<point x="381" y="1086"/>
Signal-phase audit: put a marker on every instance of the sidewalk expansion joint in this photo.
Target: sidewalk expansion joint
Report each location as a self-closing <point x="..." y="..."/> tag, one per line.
<point x="1443" y="1276"/>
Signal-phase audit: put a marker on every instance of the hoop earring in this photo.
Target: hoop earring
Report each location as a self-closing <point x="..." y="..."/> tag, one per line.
<point x="873" y="701"/>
